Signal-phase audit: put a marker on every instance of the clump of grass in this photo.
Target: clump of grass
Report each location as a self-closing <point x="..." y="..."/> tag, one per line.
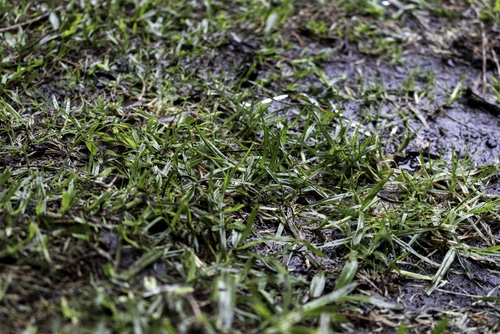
<point x="152" y="185"/>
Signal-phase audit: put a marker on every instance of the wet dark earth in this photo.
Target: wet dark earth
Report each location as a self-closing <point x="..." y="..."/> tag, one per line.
<point x="441" y="98"/>
<point x="425" y="103"/>
<point x="468" y="127"/>
<point x="442" y="125"/>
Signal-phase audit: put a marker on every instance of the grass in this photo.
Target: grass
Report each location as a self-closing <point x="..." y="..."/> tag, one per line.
<point x="185" y="167"/>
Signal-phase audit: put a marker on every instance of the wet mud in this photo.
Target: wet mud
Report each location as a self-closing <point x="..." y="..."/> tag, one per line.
<point x="441" y="126"/>
<point x="422" y="92"/>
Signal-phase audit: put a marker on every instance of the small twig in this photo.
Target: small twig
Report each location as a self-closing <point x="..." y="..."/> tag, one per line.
<point x="474" y="99"/>
<point x="484" y="45"/>
<point x="104" y="185"/>
<point x="35" y="19"/>
<point x="496" y="62"/>
<point x="297" y="37"/>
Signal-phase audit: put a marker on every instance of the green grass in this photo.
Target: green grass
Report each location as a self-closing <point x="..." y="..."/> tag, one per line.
<point x="187" y="167"/>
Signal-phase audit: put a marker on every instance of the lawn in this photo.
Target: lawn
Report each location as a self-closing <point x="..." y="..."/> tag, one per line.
<point x="249" y="166"/>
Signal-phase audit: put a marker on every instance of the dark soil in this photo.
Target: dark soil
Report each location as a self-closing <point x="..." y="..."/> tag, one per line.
<point x="440" y="128"/>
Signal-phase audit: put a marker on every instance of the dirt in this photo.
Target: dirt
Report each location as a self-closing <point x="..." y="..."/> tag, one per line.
<point x="441" y="128"/>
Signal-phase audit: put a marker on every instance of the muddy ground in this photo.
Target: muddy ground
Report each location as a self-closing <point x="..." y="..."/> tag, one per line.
<point x="441" y="125"/>
<point x="454" y="116"/>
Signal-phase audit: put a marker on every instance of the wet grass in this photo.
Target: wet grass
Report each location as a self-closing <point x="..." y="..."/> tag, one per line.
<point x="189" y="167"/>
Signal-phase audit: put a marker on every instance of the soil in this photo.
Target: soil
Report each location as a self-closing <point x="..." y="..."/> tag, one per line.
<point x="468" y="126"/>
<point x="441" y="128"/>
